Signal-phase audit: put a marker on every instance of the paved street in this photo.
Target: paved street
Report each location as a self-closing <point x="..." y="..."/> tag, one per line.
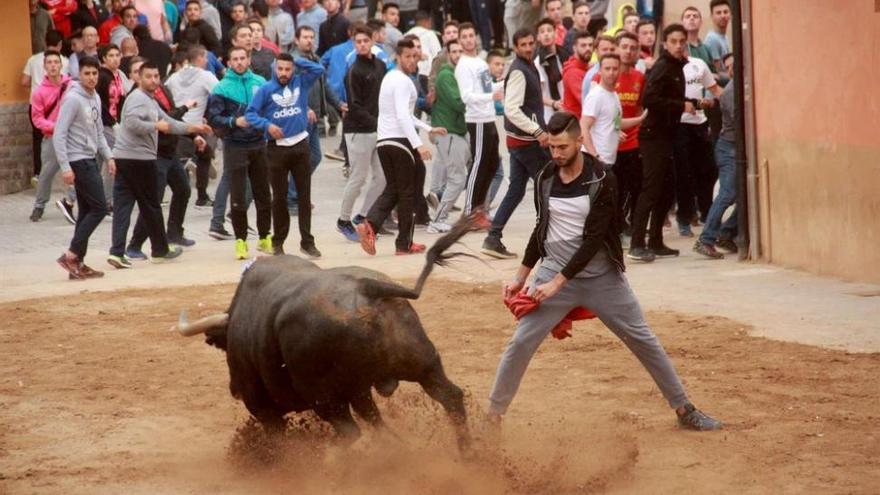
<point x="776" y="302"/>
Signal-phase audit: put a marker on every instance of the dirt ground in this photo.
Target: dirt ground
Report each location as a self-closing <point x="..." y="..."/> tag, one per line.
<point x="97" y="397"/>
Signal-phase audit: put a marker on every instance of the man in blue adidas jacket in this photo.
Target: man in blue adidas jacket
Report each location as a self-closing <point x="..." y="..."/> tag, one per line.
<point x="280" y="110"/>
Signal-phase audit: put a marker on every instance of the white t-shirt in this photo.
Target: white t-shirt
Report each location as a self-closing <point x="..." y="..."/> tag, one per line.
<point x="476" y="88"/>
<point x="697" y="79"/>
<point x="397" y="101"/>
<point x="604" y="106"/>
<point x="34" y="68"/>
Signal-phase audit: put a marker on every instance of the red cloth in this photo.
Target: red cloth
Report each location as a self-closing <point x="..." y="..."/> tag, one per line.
<point x="522" y="304"/>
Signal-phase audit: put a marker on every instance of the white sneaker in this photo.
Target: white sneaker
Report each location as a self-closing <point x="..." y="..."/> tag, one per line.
<point x="438" y="228"/>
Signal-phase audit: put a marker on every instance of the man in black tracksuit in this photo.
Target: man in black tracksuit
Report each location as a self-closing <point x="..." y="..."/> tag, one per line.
<point x="664" y="99"/>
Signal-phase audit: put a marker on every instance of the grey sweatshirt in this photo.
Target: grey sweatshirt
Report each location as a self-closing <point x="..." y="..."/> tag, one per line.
<point x="192" y="83"/>
<point x="79" y="131"/>
<point x="137" y="136"/>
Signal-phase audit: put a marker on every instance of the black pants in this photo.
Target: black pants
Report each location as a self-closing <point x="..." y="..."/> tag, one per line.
<point x="36" y="143"/>
<point x="135" y="182"/>
<point x="657" y="194"/>
<point x="169" y="172"/>
<point x="291" y="160"/>
<point x="484" y="151"/>
<point x="405" y="179"/>
<point x="90" y="201"/>
<point x="244" y="163"/>
<point x="628" y="169"/>
<point x="695" y="171"/>
<point x="186" y="149"/>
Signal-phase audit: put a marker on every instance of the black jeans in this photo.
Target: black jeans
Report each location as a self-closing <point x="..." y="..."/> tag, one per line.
<point x="404" y="181"/>
<point x="484" y="151"/>
<point x="291" y="160"/>
<point x="186" y="149"/>
<point x="695" y="171"/>
<point x="91" y="202"/>
<point x="36" y="143"/>
<point x="170" y="172"/>
<point x="247" y="163"/>
<point x="135" y="182"/>
<point x="525" y="163"/>
<point x="628" y="169"/>
<point x="657" y="194"/>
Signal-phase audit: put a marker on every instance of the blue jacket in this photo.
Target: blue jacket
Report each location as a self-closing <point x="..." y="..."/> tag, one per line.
<point x="334" y="61"/>
<point x="228" y="101"/>
<point x="286" y="106"/>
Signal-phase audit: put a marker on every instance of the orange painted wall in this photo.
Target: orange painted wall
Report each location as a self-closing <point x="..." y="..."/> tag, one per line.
<point x="15" y="40"/>
<point x="817" y="112"/>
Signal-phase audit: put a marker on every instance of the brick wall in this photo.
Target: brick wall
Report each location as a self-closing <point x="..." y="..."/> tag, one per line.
<point x="16" y="160"/>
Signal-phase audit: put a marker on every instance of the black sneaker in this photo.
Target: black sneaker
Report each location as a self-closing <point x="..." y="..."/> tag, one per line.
<point x="221" y="234"/>
<point x="172" y="253"/>
<point x="727" y="245"/>
<point x="707" y="250"/>
<point x="36" y="215"/>
<point x="182" y="241"/>
<point x="493" y="247"/>
<point x="310" y="251"/>
<point x="357" y="219"/>
<point x="277" y="250"/>
<point x="694" y="419"/>
<point x="66" y="209"/>
<point x="640" y="254"/>
<point x="664" y="251"/>
<point x="204" y="203"/>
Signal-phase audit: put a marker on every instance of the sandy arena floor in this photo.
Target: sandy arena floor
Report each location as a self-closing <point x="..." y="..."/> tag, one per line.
<point x="97" y="397"/>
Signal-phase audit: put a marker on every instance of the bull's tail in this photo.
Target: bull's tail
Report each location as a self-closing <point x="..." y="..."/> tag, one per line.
<point x="437" y="255"/>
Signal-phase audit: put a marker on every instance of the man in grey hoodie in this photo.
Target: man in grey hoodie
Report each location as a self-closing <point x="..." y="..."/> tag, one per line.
<point x="79" y="140"/>
<point x="135" y="152"/>
<point x="195" y="82"/>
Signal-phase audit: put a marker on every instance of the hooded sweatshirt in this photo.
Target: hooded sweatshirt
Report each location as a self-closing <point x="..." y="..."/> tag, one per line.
<point x="228" y="101"/>
<point x="286" y="105"/>
<point x="79" y="131"/>
<point x="192" y="83"/>
<point x="48" y="95"/>
<point x="137" y="137"/>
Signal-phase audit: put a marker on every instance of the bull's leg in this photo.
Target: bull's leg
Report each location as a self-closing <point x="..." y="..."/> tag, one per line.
<point x="338" y="414"/>
<point x="438" y="386"/>
<point x="262" y="407"/>
<point x="364" y="406"/>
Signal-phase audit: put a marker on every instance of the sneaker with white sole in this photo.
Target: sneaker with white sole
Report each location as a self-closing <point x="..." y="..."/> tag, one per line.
<point x="118" y="262"/>
<point x="66" y="209"/>
<point x="438" y="228"/>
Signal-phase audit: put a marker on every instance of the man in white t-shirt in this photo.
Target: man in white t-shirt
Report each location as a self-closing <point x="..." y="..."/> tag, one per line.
<point x="601" y="118"/>
<point x="695" y="172"/>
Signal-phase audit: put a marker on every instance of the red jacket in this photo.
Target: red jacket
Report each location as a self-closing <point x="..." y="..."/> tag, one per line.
<point x="61" y="10"/>
<point x="106" y="27"/>
<point x="573" y="73"/>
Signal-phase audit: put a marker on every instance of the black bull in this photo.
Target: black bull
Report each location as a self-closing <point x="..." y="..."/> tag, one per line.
<point x="300" y="338"/>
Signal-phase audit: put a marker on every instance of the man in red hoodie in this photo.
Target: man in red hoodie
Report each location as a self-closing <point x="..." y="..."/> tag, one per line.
<point x="45" y="103"/>
<point x="60" y="11"/>
<point x="574" y="70"/>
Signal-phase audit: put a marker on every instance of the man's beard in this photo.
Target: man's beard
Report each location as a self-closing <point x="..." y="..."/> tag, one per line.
<point x="567" y="163"/>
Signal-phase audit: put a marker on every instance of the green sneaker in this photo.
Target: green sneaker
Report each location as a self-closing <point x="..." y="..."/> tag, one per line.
<point x="241" y="249"/>
<point x="265" y="245"/>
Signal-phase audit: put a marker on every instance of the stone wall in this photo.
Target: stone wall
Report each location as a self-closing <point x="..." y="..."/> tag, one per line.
<point x="16" y="160"/>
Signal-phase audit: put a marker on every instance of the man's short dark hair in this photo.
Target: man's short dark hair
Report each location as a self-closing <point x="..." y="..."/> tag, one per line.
<point x="361" y="28"/>
<point x="644" y="22"/>
<point x="412" y="38"/>
<point x="450" y="43"/>
<point x="179" y="58"/>
<point x="194" y="52"/>
<point x="520" y="34"/>
<point x="254" y="20"/>
<point x="546" y="21"/>
<point x="233" y="31"/>
<point x="53" y="37"/>
<point x="51" y="53"/>
<point x="564" y="122"/>
<point x="284" y="57"/>
<point x="375" y="25"/>
<point x="627" y="35"/>
<point x="674" y="28"/>
<point x="197" y="2"/>
<point x="302" y="28"/>
<point x="578" y="35"/>
<point x="89" y="61"/>
<point x="421" y="15"/>
<point x="716" y="3"/>
<point x="127" y="8"/>
<point x="236" y="48"/>
<point x="494" y="54"/>
<point x="147" y="65"/>
<point x="260" y="8"/>
<point x="103" y="50"/>
<point x="579" y="4"/>
<point x="726" y="56"/>
<point x="691" y="8"/>
<point x="451" y="22"/>
<point x="466" y="25"/>
<point x="612" y="56"/>
<point x="608" y="38"/>
<point x="390" y="5"/>
<point x="141" y="32"/>
<point x="548" y="1"/>
<point x="404" y="44"/>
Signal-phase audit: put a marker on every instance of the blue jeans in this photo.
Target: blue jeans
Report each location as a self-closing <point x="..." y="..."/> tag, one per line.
<point x="725" y="158"/>
<point x="525" y="163"/>
<point x="314" y="160"/>
<point x="495" y="185"/>
<point x="92" y="204"/>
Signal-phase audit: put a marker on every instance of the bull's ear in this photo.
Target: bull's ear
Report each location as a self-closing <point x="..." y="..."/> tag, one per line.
<point x="379" y="289"/>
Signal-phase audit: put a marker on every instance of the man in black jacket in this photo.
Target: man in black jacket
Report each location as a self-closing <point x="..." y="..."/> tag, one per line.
<point x="334" y="30"/>
<point x="362" y="85"/>
<point x="577" y="239"/>
<point x="665" y="101"/>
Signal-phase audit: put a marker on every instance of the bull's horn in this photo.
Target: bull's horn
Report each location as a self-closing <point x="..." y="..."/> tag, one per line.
<point x="201" y="325"/>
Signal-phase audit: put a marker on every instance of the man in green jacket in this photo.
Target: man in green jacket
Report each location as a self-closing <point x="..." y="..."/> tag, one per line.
<point x="453" y="150"/>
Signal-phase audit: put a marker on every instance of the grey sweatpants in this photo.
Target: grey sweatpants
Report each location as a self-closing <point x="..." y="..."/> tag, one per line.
<point x="455" y="153"/>
<point x="110" y="136"/>
<point x="47" y="175"/>
<point x="610" y="298"/>
<point x="364" y="159"/>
